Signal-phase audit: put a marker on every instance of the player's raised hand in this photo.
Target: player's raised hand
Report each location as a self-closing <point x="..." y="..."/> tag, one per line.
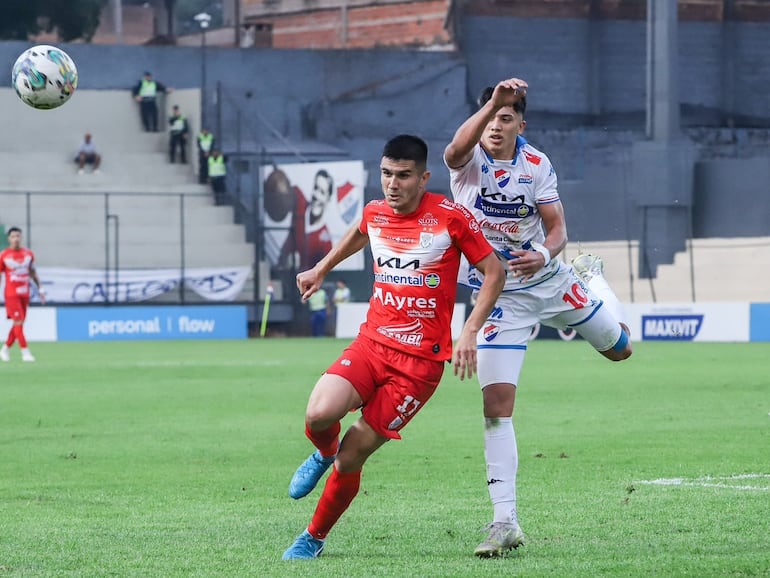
<point x="507" y="92"/>
<point x="308" y="282"/>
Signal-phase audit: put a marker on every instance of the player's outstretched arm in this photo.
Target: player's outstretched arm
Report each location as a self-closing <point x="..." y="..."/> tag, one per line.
<point x="460" y="150"/>
<point x="308" y="282"/>
<point x="464" y="356"/>
<point x="36" y="279"/>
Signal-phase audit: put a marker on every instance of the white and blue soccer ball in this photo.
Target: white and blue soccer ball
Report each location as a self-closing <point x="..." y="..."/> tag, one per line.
<point x="44" y="77"/>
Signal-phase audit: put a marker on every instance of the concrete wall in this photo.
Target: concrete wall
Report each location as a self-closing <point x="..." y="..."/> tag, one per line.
<point x="555" y="56"/>
<point x="586" y="104"/>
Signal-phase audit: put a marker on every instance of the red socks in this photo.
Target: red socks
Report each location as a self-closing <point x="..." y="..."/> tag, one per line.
<point x="338" y="493"/>
<point x="16" y="332"/>
<point x="327" y="441"/>
<point x="20" y="336"/>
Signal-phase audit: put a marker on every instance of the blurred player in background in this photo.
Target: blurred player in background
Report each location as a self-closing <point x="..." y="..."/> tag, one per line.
<point x="395" y="364"/>
<point x="18" y="264"/>
<point x="510" y="187"/>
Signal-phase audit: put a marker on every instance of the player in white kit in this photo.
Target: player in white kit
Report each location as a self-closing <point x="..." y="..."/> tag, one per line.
<point x="511" y="189"/>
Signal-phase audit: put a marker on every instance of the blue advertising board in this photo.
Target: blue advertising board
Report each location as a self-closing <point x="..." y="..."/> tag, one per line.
<point x="759" y="322"/>
<point x="142" y="323"/>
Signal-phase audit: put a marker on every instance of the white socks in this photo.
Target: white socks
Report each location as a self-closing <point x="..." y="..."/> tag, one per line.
<point x="598" y="284"/>
<point x="502" y="463"/>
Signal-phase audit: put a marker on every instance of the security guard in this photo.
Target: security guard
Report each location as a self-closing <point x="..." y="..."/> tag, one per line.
<point x="205" y="146"/>
<point x="217" y="175"/>
<point x="146" y="94"/>
<point x="178" y="135"/>
<point x="318" y="305"/>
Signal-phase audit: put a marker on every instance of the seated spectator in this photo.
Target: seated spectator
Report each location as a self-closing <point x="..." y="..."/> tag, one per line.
<point x="87" y="155"/>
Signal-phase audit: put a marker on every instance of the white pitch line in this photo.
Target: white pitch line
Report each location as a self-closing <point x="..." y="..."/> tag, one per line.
<point x="710" y="482"/>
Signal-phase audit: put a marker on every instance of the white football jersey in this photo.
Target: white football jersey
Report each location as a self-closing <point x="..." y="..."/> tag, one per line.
<point x="504" y="196"/>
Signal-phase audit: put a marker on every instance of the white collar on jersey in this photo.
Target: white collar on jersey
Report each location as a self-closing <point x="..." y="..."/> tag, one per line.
<point x="520" y="142"/>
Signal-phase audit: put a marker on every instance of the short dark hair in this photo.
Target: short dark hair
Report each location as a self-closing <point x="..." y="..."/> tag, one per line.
<point x="486" y="94"/>
<point x="407" y="147"/>
<point x="13" y="230"/>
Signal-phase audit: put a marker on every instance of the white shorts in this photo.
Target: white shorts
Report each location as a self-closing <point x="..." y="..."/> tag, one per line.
<point x="560" y="301"/>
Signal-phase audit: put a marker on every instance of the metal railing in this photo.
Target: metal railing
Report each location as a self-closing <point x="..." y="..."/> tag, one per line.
<point x="104" y="231"/>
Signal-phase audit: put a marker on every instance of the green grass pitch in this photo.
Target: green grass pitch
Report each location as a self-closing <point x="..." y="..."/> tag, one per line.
<point x="173" y="459"/>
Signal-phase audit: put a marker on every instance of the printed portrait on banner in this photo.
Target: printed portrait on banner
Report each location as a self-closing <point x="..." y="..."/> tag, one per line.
<point x="307" y="208"/>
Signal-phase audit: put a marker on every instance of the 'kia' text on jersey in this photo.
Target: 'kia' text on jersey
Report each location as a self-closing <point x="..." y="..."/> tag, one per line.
<point x="504" y="196"/>
<point x="416" y="261"/>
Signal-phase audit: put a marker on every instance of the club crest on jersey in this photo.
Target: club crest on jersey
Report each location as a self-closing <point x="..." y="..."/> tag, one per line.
<point x="525" y="179"/>
<point x="375" y="231"/>
<point x="502" y="178"/>
<point x="426" y="240"/>
<point x="490" y="332"/>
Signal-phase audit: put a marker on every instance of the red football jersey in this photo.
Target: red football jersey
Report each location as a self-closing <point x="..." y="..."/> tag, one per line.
<point x="16" y="264"/>
<point x="416" y="258"/>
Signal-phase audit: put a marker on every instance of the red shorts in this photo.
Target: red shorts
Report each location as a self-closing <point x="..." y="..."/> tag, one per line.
<point x="394" y="386"/>
<point x="16" y="308"/>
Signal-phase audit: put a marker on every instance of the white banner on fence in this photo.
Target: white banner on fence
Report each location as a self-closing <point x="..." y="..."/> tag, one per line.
<point x="308" y="207"/>
<point x="40" y="324"/>
<point x="688" y="321"/>
<point x="129" y="286"/>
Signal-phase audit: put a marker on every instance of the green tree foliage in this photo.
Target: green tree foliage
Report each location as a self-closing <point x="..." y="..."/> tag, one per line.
<point x="71" y="19"/>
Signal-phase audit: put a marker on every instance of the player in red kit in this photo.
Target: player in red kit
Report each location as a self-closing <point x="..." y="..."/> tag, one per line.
<point x="18" y="264"/>
<point x="395" y="364"/>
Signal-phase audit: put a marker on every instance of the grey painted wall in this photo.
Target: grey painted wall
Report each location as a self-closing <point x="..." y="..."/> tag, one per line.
<point x="352" y="101"/>
<point x="554" y="56"/>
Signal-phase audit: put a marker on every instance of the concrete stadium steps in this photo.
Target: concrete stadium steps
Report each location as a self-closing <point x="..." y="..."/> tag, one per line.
<point x="147" y="173"/>
<point x="131" y="233"/>
<point x="195" y="220"/>
<point x="41" y="153"/>
<point x="64" y="214"/>
<point x="111" y="116"/>
<point x="141" y="254"/>
<point x="722" y="270"/>
<point x="70" y="231"/>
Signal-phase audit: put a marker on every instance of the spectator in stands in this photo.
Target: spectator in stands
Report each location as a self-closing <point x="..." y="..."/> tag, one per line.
<point x="146" y="94"/>
<point x="87" y="155"/>
<point x="205" y="146"/>
<point x="341" y="293"/>
<point x="218" y="175"/>
<point x="178" y="130"/>
<point x="318" y="303"/>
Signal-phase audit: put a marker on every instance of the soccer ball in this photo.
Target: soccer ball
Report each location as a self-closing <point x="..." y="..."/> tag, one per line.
<point x="44" y="77"/>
